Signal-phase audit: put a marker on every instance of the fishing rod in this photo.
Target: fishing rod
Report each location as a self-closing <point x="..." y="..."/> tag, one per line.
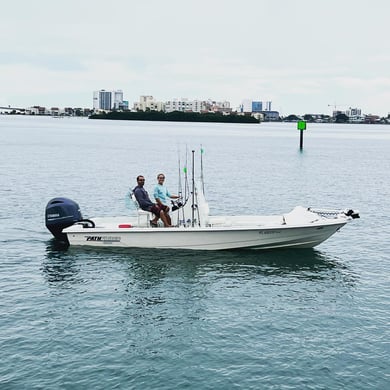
<point x="182" y="201"/>
<point x="179" y="165"/>
<point x="180" y="190"/>
<point x="194" y="195"/>
<point x="201" y="167"/>
<point x="193" y="189"/>
<point x="186" y="185"/>
<point x="202" y="184"/>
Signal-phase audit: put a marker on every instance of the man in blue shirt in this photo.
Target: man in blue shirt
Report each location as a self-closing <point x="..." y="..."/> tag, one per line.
<point x="162" y="195"/>
<point x="146" y="204"/>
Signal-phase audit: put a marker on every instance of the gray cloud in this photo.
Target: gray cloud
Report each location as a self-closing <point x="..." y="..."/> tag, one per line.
<point x="302" y="55"/>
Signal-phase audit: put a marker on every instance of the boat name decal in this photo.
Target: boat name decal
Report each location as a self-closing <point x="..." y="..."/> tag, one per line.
<point x="104" y="239"/>
<point x="270" y="232"/>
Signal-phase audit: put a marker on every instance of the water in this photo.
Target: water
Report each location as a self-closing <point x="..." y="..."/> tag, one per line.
<point x="150" y="319"/>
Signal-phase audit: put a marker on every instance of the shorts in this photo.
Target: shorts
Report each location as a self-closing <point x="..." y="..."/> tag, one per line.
<point x="156" y="209"/>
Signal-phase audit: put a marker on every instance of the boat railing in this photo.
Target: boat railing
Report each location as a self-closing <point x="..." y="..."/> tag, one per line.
<point x="332" y="213"/>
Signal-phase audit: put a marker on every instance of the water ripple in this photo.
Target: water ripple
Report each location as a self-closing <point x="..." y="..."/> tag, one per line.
<point x="154" y="319"/>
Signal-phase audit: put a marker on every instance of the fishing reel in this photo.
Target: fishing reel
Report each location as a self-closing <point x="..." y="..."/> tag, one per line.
<point x="176" y="204"/>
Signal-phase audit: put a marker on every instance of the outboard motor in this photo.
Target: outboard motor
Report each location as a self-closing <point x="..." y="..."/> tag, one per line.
<point x="61" y="213"/>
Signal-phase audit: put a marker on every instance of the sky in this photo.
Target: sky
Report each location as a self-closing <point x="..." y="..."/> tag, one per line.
<point x="306" y="56"/>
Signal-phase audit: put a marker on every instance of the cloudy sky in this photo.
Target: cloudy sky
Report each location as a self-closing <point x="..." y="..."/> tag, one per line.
<point x="304" y="55"/>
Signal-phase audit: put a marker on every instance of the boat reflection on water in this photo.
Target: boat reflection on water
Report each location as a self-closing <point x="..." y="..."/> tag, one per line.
<point x="153" y="265"/>
<point x="309" y="264"/>
<point x="60" y="267"/>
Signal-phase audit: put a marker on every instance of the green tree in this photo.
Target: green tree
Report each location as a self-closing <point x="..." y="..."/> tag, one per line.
<point x="342" y="118"/>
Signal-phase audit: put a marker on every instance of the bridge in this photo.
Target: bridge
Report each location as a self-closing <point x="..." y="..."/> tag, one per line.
<point x="12" y="108"/>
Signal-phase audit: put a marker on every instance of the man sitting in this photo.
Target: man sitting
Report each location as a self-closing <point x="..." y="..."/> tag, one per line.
<point x="162" y="195"/>
<point x="146" y="204"/>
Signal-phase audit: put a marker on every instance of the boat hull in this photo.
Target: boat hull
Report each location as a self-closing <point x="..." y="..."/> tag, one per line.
<point x="207" y="238"/>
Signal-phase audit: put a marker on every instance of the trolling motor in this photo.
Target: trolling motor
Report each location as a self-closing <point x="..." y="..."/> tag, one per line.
<point x="351" y="213"/>
<point x="62" y="213"/>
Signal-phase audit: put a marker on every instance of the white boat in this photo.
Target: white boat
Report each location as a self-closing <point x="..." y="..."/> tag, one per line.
<point x="196" y="229"/>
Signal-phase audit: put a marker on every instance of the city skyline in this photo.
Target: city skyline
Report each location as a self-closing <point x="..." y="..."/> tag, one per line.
<point x="108" y="100"/>
<point x="301" y="56"/>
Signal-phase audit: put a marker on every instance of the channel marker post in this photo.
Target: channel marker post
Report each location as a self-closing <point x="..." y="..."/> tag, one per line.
<point x="301" y="125"/>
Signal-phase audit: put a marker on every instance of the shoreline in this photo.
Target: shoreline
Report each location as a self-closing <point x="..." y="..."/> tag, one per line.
<point x="178" y="116"/>
<point x="175" y="116"/>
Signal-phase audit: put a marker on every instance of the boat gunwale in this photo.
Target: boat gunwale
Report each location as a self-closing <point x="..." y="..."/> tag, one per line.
<point x="134" y="229"/>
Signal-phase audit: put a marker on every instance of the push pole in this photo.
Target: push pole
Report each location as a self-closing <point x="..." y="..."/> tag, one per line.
<point x="301" y="126"/>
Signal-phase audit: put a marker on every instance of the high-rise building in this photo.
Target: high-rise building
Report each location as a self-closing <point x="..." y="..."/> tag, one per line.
<point x="249" y="105"/>
<point x="257" y="106"/>
<point x="108" y="100"/>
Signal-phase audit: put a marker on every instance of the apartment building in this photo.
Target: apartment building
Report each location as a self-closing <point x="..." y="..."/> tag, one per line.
<point x="147" y="103"/>
<point x="186" y="105"/>
<point x="355" y="115"/>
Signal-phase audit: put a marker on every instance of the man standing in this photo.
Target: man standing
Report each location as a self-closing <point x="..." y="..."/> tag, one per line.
<point x="146" y="204"/>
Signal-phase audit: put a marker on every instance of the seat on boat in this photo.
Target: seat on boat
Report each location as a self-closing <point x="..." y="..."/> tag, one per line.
<point x="144" y="216"/>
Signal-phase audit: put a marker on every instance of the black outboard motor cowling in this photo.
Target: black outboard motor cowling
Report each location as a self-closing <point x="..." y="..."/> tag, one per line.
<point x="61" y="213"/>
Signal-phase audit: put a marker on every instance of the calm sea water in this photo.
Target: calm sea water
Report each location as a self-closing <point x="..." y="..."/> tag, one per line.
<point x="149" y="319"/>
